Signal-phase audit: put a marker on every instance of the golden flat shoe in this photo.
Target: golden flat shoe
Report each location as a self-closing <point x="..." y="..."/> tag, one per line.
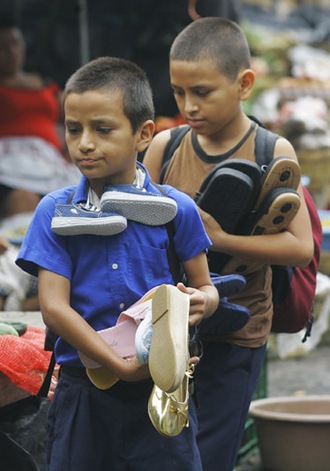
<point x="168" y="412"/>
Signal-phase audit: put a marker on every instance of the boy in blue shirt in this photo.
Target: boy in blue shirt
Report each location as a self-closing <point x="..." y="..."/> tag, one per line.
<point x="86" y="281"/>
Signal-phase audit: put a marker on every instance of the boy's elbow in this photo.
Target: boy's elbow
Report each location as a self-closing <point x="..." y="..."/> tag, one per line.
<point x="306" y="256"/>
<point x="48" y="312"/>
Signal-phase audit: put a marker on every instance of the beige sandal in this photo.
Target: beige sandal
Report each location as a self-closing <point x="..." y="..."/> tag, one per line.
<point x="169" y="342"/>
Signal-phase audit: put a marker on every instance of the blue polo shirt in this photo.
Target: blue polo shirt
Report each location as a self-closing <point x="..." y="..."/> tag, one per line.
<point x="108" y="273"/>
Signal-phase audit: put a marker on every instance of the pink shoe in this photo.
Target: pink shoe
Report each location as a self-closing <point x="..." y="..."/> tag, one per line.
<point x="121" y="337"/>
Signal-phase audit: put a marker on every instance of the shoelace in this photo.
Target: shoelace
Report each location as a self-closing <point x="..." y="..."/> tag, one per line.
<point x="90" y="207"/>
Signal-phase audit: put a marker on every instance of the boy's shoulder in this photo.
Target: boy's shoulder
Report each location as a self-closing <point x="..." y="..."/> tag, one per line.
<point x="48" y="203"/>
<point x="186" y="206"/>
<point x="61" y="195"/>
<point x="182" y="199"/>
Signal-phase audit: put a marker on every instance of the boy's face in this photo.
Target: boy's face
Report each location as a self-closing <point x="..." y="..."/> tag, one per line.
<point x="99" y="137"/>
<point x="207" y="100"/>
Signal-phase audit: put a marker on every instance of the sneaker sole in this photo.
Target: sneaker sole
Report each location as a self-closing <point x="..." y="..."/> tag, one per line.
<point x="276" y="213"/>
<point x="282" y="172"/>
<point x="145" y="209"/>
<point x="249" y="168"/>
<point x="169" y="345"/>
<point x="278" y="210"/>
<point x="104" y="226"/>
<point x="227" y="195"/>
<point x="142" y="339"/>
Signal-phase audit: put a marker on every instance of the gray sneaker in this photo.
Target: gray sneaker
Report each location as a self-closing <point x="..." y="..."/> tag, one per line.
<point x="74" y="219"/>
<point x="138" y="204"/>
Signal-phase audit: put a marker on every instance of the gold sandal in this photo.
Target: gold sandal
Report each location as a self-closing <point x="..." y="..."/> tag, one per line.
<point x="168" y="412"/>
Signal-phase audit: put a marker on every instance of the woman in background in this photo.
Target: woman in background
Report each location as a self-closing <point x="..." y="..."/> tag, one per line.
<point x="32" y="155"/>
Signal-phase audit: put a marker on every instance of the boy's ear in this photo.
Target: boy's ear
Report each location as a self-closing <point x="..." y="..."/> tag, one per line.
<point x="146" y="133"/>
<point x="246" y="82"/>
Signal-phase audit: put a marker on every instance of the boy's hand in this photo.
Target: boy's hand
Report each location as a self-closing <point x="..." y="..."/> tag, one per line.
<point x="197" y="303"/>
<point x="132" y="370"/>
<point x="212" y="227"/>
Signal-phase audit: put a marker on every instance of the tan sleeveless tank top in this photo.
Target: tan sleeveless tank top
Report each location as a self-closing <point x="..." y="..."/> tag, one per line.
<point x="186" y="172"/>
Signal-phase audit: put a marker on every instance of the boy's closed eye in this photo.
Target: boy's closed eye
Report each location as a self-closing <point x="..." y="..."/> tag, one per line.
<point x="199" y="92"/>
<point x="75" y="129"/>
<point x="177" y="91"/>
<point x="202" y="92"/>
<point x="104" y="130"/>
<point x="72" y="129"/>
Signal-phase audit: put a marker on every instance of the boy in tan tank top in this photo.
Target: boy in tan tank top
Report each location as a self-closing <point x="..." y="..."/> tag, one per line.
<point x="211" y="76"/>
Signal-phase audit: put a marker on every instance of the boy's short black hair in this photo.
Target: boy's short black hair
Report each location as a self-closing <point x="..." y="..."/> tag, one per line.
<point x="121" y="75"/>
<point x="217" y="39"/>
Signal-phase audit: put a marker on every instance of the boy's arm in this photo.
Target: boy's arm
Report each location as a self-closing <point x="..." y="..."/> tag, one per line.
<point x="154" y="155"/>
<point x="204" y="297"/>
<point x="54" y="298"/>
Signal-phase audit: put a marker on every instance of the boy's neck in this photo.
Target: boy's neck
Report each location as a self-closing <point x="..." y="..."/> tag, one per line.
<point x="138" y="180"/>
<point x="227" y="138"/>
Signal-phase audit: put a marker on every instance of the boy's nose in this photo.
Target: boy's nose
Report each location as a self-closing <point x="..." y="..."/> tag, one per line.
<point x="86" y="144"/>
<point x="190" y="106"/>
<point x="84" y="149"/>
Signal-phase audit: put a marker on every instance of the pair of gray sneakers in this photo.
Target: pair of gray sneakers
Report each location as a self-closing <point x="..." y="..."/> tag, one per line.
<point x="118" y="204"/>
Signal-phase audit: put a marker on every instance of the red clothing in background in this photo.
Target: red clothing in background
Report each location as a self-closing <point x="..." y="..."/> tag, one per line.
<point x="30" y="113"/>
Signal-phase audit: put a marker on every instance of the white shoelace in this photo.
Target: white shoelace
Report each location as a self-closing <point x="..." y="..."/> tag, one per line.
<point x="93" y="201"/>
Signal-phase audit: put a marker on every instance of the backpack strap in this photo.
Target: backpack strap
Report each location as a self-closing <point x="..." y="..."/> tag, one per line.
<point x="49" y="345"/>
<point x="44" y="388"/>
<point x="173" y="260"/>
<point x="177" y="135"/>
<point x="264" y="146"/>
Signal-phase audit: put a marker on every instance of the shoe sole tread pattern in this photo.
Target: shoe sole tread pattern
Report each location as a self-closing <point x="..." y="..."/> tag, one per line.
<point x="249" y="168"/>
<point x="145" y="209"/>
<point x="102" y="226"/>
<point x="282" y="172"/>
<point x="278" y="210"/>
<point x="169" y="344"/>
<point x="275" y="214"/>
<point x="228" y="197"/>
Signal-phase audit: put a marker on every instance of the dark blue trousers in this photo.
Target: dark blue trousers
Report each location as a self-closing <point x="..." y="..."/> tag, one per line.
<point x="226" y="379"/>
<point x="94" y="430"/>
